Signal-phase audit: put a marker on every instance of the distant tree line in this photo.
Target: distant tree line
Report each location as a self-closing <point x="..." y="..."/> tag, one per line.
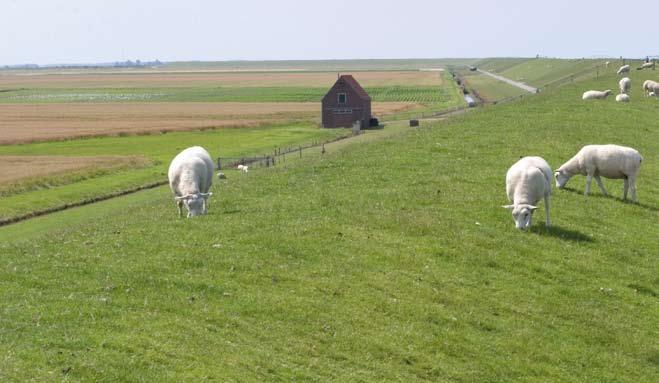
<point x="116" y="64"/>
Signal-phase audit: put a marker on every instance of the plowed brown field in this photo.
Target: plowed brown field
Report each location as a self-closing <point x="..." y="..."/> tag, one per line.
<point x="211" y="79"/>
<point x="20" y="123"/>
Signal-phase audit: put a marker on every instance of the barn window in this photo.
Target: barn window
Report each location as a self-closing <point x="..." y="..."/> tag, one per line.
<point x="342" y="98"/>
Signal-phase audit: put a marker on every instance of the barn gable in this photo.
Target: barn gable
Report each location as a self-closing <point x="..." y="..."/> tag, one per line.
<point x="345" y="103"/>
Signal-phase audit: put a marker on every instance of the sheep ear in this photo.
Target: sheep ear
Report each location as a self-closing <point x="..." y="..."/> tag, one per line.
<point x="508" y="206"/>
<point x="532" y="207"/>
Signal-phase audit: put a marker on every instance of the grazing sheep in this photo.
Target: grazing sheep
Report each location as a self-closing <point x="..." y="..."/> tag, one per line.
<point x="625" y="85"/>
<point x="650" y="86"/>
<point x="624" y="69"/>
<point x="243" y="168"/>
<point x="528" y="181"/>
<point x="595" y="95"/>
<point x="647" y="65"/>
<point x="622" y="98"/>
<point x="190" y="178"/>
<point x="221" y="176"/>
<point x="609" y="161"/>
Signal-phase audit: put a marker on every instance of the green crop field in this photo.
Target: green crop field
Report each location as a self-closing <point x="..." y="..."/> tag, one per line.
<point x="242" y="86"/>
<point x="380" y="260"/>
<point x="420" y="94"/>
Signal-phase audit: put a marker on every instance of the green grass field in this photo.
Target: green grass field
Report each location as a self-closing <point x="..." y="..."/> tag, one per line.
<point x="541" y="72"/>
<point x="160" y="149"/>
<point x="490" y="88"/>
<point x="388" y="260"/>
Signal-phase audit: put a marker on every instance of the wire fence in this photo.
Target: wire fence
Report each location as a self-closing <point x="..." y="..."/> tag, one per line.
<point x="278" y="155"/>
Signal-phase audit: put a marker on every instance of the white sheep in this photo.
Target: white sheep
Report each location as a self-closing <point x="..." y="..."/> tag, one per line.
<point x="527" y="182"/>
<point x="609" y="161"/>
<point x="595" y="94"/>
<point x="625" y="84"/>
<point x="646" y="65"/>
<point x="190" y="178"/>
<point x="622" y="98"/>
<point x="624" y="69"/>
<point x="650" y="86"/>
<point x="243" y="168"/>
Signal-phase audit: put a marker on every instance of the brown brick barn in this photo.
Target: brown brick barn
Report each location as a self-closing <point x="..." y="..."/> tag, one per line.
<point x="345" y="103"/>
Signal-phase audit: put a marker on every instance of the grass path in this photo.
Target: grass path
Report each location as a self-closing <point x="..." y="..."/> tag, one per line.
<point x="520" y="85"/>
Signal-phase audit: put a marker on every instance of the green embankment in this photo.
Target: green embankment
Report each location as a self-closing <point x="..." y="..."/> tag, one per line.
<point x="387" y="261"/>
<point x="542" y="71"/>
<point x="159" y="148"/>
<point x="490" y="88"/>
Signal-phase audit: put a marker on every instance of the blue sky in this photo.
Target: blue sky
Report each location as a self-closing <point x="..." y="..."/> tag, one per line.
<point x="85" y="31"/>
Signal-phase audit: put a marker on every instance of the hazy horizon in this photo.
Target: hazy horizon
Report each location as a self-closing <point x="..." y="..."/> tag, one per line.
<point x="94" y="31"/>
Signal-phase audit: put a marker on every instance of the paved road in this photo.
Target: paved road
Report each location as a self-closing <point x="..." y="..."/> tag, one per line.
<point x="511" y="82"/>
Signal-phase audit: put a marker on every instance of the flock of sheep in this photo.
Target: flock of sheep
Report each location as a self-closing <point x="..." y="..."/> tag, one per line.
<point x="529" y="179"/>
<point x="650" y="88"/>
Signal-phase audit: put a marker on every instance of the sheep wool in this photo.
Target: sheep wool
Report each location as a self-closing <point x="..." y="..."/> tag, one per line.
<point x="622" y="98"/>
<point x="595" y="94"/>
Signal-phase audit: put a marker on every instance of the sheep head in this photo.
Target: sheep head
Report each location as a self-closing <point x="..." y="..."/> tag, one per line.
<point x="561" y="178"/>
<point x="194" y="203"/>
<point x="522" y="215"/>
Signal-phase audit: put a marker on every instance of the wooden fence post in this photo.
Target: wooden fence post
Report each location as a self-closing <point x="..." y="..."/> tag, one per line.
<point x="219" y="164"/>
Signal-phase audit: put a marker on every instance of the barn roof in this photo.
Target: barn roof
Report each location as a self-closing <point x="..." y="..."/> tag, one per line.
<point x="355" y="86"/>
<point x="351" y="82"/>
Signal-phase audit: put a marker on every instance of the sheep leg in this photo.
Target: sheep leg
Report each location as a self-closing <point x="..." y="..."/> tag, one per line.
<point x="547" y="210"/>
<point x="179" y="204"/>
<point x="599" y="183"/>
<point x="589" y="179"/>
<point x="625" y="188"/>
<point x="632" y="186"/>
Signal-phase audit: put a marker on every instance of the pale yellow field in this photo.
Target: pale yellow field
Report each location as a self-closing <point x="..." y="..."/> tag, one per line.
<point x="20" y="123"/>
<point x="17" y="168"/>
<point x="10" y="80"/>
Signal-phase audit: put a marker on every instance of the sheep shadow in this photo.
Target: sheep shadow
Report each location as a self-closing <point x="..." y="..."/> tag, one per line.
<point x="599" y="194"/>
<point x="560" y="233"/>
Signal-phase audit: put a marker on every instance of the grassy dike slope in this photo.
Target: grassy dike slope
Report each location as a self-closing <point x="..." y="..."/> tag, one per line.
<point x="387" y="261"/>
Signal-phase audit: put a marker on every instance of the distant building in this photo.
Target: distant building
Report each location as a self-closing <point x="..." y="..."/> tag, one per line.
<point x="345" y="103"/>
